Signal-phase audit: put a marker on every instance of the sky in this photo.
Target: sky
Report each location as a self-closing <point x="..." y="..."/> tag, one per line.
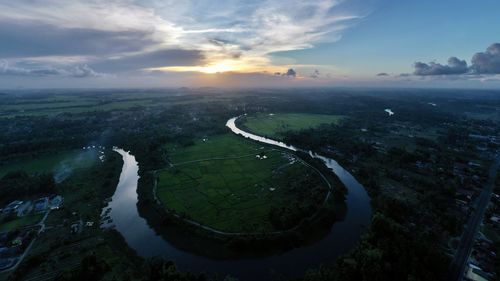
<point x="243" y="43"/>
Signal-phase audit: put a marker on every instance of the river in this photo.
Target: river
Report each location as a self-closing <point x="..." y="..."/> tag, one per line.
<point x="141" y="237"/>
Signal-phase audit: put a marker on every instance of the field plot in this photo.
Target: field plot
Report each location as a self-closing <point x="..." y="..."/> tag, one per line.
<point x="274" y="125"/>
<point x="50" y="104"/>
<point x="214" y="147"/>
<point x="237" y="186"/>
<point x="59" y="163"/>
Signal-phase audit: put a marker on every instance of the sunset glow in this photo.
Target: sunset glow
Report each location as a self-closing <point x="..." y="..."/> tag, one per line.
<point x="174" y="43"/>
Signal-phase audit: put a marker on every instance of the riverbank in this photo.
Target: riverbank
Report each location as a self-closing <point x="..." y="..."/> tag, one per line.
<point x="151" y="233"/>
<point x="251" y="244"/>
<point x="232" y="186"/>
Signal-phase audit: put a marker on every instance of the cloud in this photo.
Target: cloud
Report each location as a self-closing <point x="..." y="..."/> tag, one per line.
<point x="315" y="74"/>
<point x="482" y="63"/>
<point x="487" y="62"/>
<point x="80" y="71"/>
<point x="153" y="59"/>
<point x="382" y="74"/>
<point x="454" y="66"/>
<point x="237" y="34"/>
<point x="36" y="40"/>
<point x="290" y="73"/>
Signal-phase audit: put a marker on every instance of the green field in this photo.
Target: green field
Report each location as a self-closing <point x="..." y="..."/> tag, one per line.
<point x="84" y="102"/>
<point x="214" y="146"/>
<point x="54" y="162"/>
<point x="274" y="125"/>
<point x="21" y="222"/>
<point x="235" y="194"/>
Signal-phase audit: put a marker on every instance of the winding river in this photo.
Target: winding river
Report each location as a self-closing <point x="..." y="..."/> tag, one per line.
<point x="140" y="236"/>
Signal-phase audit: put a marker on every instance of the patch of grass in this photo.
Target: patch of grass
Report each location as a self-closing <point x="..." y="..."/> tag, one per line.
<point x="54" y="104"/>
<point x="274" y="125"/>
<point x="21" y="222"/>
<point x="237" y="194"/>
<point x="226" y="145"/>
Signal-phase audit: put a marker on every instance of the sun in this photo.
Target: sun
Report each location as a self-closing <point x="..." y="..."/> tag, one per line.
<point x="217" y="68"/>
<point x="212" y="68"/>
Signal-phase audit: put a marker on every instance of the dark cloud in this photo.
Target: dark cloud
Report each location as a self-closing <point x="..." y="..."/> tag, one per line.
<point x="315" y="74"/>
<point x="290" y="73"/>
<point x="218" y="42"/>
<point x="32" y="40"/>
<point x="80" y="71"/>
<point x="487" y="62"/>
<point x="159" y="58"/>
<point x="454" y="66"/>
<point x="382" y="74"/>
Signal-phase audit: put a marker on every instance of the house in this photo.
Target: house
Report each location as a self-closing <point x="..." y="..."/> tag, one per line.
<point x="495" y="220"/>
<point x="41" y="204"/>
<point x="465" y="193"/>
<point x="477" y="274"/>
<point x="56" y="202"/>
<point x="12" y="207"/>
<point x="24" y="209"/>
<point x="460" y="169"/>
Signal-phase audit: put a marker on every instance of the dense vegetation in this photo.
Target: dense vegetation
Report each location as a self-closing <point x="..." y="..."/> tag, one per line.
<point x="19" y="184"/>
<point x="406" y="161"/>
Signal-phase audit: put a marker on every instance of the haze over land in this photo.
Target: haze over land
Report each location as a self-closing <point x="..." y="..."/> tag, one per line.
<point x="94" y="44"/>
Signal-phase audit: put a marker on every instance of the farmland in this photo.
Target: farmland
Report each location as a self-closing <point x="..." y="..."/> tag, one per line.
<point x="31" y="103"/>
<point x="275" y="125"/>
<point x="234" y="185"/>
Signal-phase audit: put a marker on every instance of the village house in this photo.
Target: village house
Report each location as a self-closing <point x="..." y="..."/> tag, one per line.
<point x="24" y="209"/>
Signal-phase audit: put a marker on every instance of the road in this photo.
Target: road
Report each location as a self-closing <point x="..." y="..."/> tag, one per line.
<point x="459" y="262"/>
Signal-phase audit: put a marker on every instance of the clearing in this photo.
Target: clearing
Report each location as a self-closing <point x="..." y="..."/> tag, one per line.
<point x="274" y="125"/>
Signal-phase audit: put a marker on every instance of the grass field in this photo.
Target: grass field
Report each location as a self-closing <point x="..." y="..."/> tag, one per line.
<point x="236" y="194"/>
<point x="60" y="162"/>
<point x="21" y="222"/>
<point x="213" y="146"/>
<point x="42" y="104"/>
<point x="274" y="125"/>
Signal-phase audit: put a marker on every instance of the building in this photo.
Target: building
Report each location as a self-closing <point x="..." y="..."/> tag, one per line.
<point x="41" y="204"/>
<point x="56" y="202"/>
<point x="12" y="207"/>
<point x="24" y="209"/>
<point x="476" y="274"/>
